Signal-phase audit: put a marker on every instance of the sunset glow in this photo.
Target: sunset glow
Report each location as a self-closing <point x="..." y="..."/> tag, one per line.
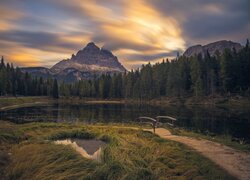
<point x="41" y="33"/>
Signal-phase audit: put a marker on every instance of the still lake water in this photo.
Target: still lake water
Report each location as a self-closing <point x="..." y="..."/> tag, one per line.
<point x="221" y="121"/>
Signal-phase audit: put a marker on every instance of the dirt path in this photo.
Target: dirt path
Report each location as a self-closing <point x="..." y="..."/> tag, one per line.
<point x="237" y="163"/>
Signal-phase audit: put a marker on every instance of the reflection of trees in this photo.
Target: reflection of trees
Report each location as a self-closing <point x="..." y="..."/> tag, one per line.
<point x="201" y="119"/>
<point x="208" y="120"/>
<point x="55" y="112"/>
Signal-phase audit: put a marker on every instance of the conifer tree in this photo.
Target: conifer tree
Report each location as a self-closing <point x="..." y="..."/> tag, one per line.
<point x="55" y="90"/>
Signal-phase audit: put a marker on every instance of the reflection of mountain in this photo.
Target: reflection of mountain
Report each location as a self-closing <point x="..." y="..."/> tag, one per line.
<point x="90" y="149"/>
<point x="87" y="63"/>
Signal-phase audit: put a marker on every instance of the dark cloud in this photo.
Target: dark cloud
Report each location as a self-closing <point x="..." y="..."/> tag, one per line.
<point x="114" y="44"/>
<point x="151" y="57"/>
<point x="201" y="22"/>
<point x="214" y="26"/>
<point x="39" y="40"/>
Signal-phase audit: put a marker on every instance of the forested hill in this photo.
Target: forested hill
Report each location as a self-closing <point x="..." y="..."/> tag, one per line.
<point x="200" y="75"/>
<point x="13" y="82"/>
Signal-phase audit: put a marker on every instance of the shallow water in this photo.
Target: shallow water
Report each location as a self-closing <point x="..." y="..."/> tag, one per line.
<point x="208" y="120"/>
<point x="90" y="149"/>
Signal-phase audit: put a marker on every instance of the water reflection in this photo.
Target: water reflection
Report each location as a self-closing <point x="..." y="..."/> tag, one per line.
<point x="232" y="122"/>
<point x="90" y="149"/>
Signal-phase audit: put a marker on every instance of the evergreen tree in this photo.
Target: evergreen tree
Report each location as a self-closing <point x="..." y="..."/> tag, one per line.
<point x="55" y="90"/>
<point x="226" y="71"/>
<point x="196" y="76"/>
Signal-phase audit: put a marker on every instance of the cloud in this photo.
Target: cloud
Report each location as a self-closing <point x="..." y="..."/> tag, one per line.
<point x="136" y="31"/>
<point x="26" y="48"/>
<point x="147" y="58"/>
<point x="139" y="28"/>
<point x="207" y="21"/>
<point x="25" y="56"/>
<point x="43" y="40"/>
<point x="7" y="18"/>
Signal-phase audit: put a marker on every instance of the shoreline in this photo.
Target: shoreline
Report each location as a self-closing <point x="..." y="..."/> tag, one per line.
<point x="227" y="102"/>
<point x="5" y="108"/>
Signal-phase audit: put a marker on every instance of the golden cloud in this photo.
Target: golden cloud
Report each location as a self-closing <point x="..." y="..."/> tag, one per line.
<point x="137" y="28"/>
<point x="140" y="25"/>
<point x="76" y="39"/>
<point x="24" y="56"/>
<point x="23" y="59"/>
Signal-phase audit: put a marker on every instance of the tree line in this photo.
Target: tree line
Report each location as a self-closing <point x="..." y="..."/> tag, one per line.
<point x="13" y="82"/>
<point x="201" y="75"/>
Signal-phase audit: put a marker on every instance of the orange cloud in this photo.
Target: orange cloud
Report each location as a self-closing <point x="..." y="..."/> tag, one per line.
<point x="23" y="59"/>
<point x="23" y="56"/>
<point x="135" y="29"/>
<point x="77" y="39"/>
<point x="140" y="25"/>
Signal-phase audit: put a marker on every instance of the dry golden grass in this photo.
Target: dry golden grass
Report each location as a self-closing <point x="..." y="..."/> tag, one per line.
<point x="130" y="154"/>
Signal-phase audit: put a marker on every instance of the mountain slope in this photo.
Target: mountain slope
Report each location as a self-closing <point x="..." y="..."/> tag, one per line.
<point x="37" y="71"/>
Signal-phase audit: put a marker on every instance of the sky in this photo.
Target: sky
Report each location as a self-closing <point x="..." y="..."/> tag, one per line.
<point x="41" y="33"/>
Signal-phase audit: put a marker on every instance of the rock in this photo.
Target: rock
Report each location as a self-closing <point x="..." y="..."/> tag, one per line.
<point x="219" y="46"/>
<point x="91" y="59"/>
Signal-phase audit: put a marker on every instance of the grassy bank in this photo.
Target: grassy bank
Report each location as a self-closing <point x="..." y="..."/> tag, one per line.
<point x="14" y="102"/>
<point x="28" y="152"/>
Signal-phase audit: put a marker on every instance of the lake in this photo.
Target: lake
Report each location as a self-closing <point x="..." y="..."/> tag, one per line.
<point x="212" y="120"/>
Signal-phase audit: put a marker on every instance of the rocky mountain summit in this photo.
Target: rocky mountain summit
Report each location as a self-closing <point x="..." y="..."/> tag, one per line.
<point x="90" y="59"/>
<point x="89" y="62"/>
<point x="219" y="46"/>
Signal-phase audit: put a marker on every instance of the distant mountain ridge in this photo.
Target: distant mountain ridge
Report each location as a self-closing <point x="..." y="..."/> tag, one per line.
<point x="211" y="48"/>
<point x="89" y="62"/>
<point x="93" y="61"/>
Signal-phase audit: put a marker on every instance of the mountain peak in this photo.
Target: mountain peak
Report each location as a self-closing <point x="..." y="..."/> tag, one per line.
<point x="92" y="47"/>
<point x="91" y="59"/>
<point x="219" y="46"/>
<point x="91" y="44"/>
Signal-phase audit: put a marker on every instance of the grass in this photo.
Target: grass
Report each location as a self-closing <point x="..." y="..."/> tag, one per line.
<point x="222" y="139"/>
<point x="28" y="152"/>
